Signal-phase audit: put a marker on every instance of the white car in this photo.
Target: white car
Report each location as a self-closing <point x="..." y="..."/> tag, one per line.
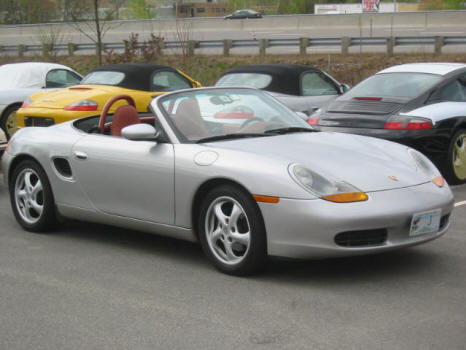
<point x="19" y="80"/>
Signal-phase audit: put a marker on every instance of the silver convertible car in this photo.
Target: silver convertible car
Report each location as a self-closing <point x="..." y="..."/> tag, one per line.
<point x="247" y="186"/>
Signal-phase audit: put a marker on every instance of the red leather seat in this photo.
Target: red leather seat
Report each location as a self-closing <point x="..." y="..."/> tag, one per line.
<point x="124" y="116"/>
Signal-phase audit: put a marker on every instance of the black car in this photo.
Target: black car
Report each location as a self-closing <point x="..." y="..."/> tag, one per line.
<point x="242" y="14"/>
<point x="422" y="105"/>
<point x="301" y="88"/>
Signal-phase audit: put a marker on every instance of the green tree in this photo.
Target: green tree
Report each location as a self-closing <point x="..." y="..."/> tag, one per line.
<point x="141" y="9"/>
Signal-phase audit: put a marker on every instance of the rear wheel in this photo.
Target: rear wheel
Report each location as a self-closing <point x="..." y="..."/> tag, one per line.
<point x="232" y="231"/>
<point x="8" y="121"/>
<point x="31" y="197"/>
<point x="456" y="162"/>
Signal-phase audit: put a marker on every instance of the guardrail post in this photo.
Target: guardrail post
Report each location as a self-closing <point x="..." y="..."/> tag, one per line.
<point x="191" y="46"/>
<point x="1" y="49"/>
<point x="438" y="45"/>
<point x="227" y="45"/>
<point x="71" y="48"/>
<point x="345" y="44"/>
<point x="160" y="47"/>
<point x="303" y="44"/>
<point x="21" y="49"/>
<point x="263" y="44"/>
<point x="390" y="45"/>
<point x="46" y="48"/>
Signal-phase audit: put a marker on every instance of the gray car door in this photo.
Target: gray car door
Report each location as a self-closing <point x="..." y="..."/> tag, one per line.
<point x="133" y="179"/>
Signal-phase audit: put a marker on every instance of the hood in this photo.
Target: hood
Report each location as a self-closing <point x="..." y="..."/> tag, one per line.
<point x="58" y="99"/>
<point x="362" y="161"/>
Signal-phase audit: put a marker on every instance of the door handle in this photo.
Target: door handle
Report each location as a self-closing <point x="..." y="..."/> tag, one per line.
<point x="80" y="155"/>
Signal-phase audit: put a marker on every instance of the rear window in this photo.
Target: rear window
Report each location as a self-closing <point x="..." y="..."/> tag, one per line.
<point x="103" y="78"/>
<point x="394" y="85"/>
<point x="251" y="80"/>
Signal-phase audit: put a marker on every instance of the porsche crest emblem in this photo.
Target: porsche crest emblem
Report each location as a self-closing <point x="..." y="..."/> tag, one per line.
<point x="394" y="178"/>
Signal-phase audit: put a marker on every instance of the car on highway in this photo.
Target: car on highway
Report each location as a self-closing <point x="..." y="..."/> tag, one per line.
<point x="270" y="185"/>
<point x="422" y="105"/>
<point x="244" y="14"/>
<point x="300" y="87"/>
<point x="139" y="80"/>
<point x="19" y="80"/>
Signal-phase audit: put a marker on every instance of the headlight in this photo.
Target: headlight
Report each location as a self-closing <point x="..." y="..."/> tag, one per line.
<point x="325" y="188"/>
<point x="424" y="165"/>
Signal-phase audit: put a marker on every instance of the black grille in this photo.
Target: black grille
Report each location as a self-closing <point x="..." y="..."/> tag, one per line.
<point x="371" y="107"/>
<point x="363" y="238"/>
<point x="444" y="221"/>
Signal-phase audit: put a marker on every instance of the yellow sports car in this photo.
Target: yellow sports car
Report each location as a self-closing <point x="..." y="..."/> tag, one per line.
<point x="141" y="81"/>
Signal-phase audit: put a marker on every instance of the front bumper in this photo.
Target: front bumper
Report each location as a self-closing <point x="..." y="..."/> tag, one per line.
<point x="307" y="228"/>
<point x="56" y="115"/>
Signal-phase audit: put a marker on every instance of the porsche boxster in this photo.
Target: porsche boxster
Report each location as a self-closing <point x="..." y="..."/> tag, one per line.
<point x="141" y="81"/>
<point x="19" y="80"/>
<point x="246" y="188"/>
<point x="421" y="105"/>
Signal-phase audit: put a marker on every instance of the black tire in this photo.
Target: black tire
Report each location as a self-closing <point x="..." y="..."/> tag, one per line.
<point x="254" y="258"/>
<point x="4" y="119"/>
<point x="452" y="174"/>
<point x="47" y="219"/>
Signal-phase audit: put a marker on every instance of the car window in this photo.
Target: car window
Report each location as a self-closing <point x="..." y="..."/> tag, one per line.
<point x="205" y="113"/>
<point x="61" y="78"/>
<point x="454" y="91"/>
<point x="314" y="84"/>
<point x="103" y="78"/>
<point x="407" y="85"/>
<point x="169" y="81"/>
<point x="253" y="80"/>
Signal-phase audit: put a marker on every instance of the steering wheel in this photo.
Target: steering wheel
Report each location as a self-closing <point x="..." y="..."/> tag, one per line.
<point x="252" y="120"/>
<point x="108" y="105"/>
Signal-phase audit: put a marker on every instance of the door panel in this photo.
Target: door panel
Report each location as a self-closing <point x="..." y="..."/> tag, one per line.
<point x="127" y="178"/>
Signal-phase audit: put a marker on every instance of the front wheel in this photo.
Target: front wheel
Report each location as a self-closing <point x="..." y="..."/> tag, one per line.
<point x="232" y="232"/>
<point x="31" y="197"/>
<point x="456" y="161"/>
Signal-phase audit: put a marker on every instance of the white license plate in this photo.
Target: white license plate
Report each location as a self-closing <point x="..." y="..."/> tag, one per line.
<point x="425" y="222"/>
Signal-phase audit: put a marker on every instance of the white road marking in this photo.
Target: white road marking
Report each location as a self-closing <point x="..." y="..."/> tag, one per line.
<point x="457" y="204"/>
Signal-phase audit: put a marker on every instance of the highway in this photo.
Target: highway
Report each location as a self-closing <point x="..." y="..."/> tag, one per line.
<point x="269" y="27"/>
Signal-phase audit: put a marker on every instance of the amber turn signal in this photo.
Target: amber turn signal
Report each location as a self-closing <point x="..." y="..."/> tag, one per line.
<point x="346" y="197"/>
<point x="265" y="199"/>
<point x="439" y="181"/>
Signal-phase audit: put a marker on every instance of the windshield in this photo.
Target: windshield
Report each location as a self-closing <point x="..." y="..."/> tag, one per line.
<point x="394" y="85"/>
<point x="103" y="78"/>
<point x="252" y="80"/>
<point x="207" y="113"/>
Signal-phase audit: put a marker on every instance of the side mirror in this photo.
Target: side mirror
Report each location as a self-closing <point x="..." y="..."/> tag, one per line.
<point x="140" y="132"/>
<point x="344" y="88"/>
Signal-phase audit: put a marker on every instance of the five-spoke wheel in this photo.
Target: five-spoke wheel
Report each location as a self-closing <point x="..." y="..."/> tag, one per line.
<point x="31" y="197"/>
<point x="232" y="231"/>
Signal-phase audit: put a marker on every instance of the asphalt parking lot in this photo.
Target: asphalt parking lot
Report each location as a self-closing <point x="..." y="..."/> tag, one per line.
<point x="90" y="286"/>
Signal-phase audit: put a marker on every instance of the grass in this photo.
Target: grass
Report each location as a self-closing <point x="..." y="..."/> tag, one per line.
<point x="349" y="69"/>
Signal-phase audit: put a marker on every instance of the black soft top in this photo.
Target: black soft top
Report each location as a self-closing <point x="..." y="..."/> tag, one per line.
<point x="285" y="77"/>
<point x="138" y="76"/>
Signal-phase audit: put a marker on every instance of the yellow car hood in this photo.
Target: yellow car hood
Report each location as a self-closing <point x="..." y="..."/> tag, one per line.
<point x="59" y="99"/>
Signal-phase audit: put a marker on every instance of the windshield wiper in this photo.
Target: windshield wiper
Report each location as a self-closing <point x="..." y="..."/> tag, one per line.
<point x="231" y="137"/>
<point x="289" y="130"/>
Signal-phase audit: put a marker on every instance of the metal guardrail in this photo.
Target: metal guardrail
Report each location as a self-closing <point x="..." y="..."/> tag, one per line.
<point x="303" y="43"/>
